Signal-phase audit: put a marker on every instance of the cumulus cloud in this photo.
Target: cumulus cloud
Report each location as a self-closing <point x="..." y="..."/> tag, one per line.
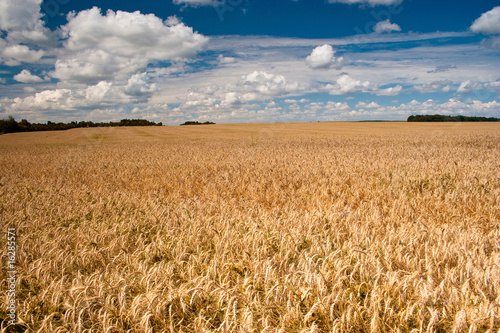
<point x="138" y="85"/>
<point x="386" y="26"/>
<point x="196" y="3"/>
<point x="434" y="86"/>
<point x="336" y="106"/>
<point x="469" y="86"/>
<point x="20" y="15"/>
<point x="95" y="65"/>
<point x="58" y="99"/>
<point x="15" y="14"/>
<point x="95" y="94"/>
<point x="260" y="85"/>
<point x="488" y="23"/>
<point x="371" y="3"/>
<point x="120" y="43"/>
<point x="201" y="96"/>
<point x="26" y="77"/>
<point x="371" y="105"/>
<point x="253" y="87"/>
<point x="22" y="21"/>
<point x="131" y="35"/>
<point x="23" y="32"/>
<point x="323" y="57"/>
<point x="76" y="98"/>
<point x="14" y="55"/>
<point x="391" y="91"/>
<point x="347" y="85"/>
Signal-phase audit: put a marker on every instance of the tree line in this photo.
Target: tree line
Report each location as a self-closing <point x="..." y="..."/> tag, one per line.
<point x="197" y="123"/>
<point x="441" y="118"/>
<point x="10" y="125"/>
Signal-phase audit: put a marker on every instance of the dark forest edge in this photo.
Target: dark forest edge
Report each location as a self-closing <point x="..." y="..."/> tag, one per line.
<point x="197" y="123"/>
<point x="10" y="125"/>
<point x="441" y="118"/>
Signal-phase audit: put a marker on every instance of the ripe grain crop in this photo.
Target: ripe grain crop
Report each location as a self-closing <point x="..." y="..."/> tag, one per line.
<point x="322" y="227"/>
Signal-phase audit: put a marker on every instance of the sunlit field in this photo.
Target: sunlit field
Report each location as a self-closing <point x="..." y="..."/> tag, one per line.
<point x="315" y="227"/>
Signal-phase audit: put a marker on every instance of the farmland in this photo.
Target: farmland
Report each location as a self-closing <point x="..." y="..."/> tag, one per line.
<point x="313" y="227"/>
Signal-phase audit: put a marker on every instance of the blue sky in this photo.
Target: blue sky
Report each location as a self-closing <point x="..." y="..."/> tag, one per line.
<point x="233" y="61"/>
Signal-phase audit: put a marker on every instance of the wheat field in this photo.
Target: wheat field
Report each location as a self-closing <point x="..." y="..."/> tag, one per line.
<point x="315" y="227"/>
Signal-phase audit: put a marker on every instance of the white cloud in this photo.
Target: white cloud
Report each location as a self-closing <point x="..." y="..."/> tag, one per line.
<point x="255" y="86"/>
<point x="196" y="3"/>
<point x="434" y="86"/>
<point x="131" y="35"/>
<point x="95" y="65"/>
<point x="392" y="91"/>
<point x="260" y="85"/>
<point x="201" y="96"/>
<point x="323" y="57"/>
<point x="226" y="60"/>
<point x="137" y="85"/>
<point x="15" y="14"/>
<point x="371" y="105"/>
<point x="24" y="32"/>
<point x="26" y="77"/>
<point x="386" y="26"/>
<point x="79" y="97"/>
<point x="293" y="101"/>
<point x="469" y="86"/>
<point x="488" y="23"/>
<point x="495" y="85"/>
<point x="22" y="20"/>
<point x="368" y="2"/>
<point x="336" y="106"/>
<point x="58" y="99"/>
<point x="14" y="55"/>
<point x="347" y="85"/>
<point x="121" y="43"/>
<point x="95" y="94"/>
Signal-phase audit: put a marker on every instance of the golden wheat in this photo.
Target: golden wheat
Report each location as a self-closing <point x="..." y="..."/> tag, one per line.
<point x="327" y="227"/>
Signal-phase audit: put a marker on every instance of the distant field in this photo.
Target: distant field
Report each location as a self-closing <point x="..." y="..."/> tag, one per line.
<point x="314" y="227"/>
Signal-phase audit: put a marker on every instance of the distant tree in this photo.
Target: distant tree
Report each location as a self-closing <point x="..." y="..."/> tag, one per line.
<point x="10" y="125"/>
<point x="442" y="118"/>
<point x="197" y="123"/>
